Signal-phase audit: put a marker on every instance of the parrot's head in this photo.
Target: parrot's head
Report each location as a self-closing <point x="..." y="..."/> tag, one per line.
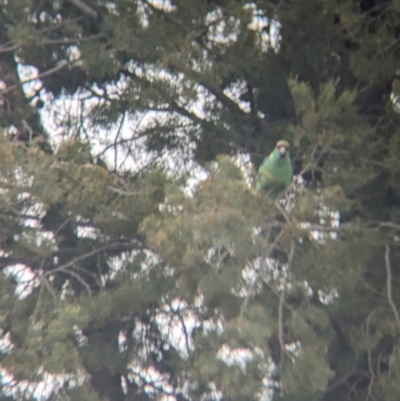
<point x="282" y="147"/>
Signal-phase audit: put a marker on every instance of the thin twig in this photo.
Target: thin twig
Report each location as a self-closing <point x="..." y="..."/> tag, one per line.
<point x="90" y="12"/>
<point x="251" y="289"/>
<point x="122" y="192"/>
<point x="73" y="263"/>
<point x="386" y="224"/>
<point x="12" y="48"/>
<point x="282" y="301"/>
<point x="389" y="284"/>
<point x="40" y="76"/>
<point x="121" y="124"/>
<point x="370" y="368"/>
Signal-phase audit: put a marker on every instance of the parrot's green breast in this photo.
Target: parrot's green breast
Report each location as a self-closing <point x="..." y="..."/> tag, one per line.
<point x="275" y="172"/>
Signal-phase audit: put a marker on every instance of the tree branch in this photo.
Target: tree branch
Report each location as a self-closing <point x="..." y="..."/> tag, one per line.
<point x="217" y="92"/>
<point x="4" y="49"/>
<point x="389" y="284"/>
<point x="282" y="301"/>
<point x="42" y="75"/>
<point x="90" y="12"/>
<point x="186" y="113"/>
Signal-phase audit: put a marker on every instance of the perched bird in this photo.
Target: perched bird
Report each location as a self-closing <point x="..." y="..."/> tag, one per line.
<point x="276" y="171"/>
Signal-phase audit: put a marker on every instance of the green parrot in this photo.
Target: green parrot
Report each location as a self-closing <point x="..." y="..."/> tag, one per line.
<point x="276" y="171"/>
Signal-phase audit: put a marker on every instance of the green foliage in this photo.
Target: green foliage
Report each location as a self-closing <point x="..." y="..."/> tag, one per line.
<point x="135" y="290"/>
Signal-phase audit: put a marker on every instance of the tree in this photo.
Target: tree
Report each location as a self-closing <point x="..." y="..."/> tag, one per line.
<point x="136" y="290"/>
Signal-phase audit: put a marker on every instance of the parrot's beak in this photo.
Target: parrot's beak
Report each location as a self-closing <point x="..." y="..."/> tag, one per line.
<point x="282" y="151"/>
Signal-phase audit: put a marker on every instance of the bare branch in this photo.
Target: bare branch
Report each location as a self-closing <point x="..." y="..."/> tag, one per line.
<point x="282" y="301"/>
<point x="186" y="113"/>
<point x="370" y="368"/>
<point x="42" y="75"/>
<point x="219" y="94"/>
<point x="90" y="12"/>
<point x="64" y="41"/>
<point x="389" y="284"/>
<point x="4" y="49"/>
<point x="386" y="224"/>
<point x="122" y="192"/>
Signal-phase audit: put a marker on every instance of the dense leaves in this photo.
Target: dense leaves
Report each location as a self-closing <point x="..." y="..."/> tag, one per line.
<point x="126" y="277"/>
